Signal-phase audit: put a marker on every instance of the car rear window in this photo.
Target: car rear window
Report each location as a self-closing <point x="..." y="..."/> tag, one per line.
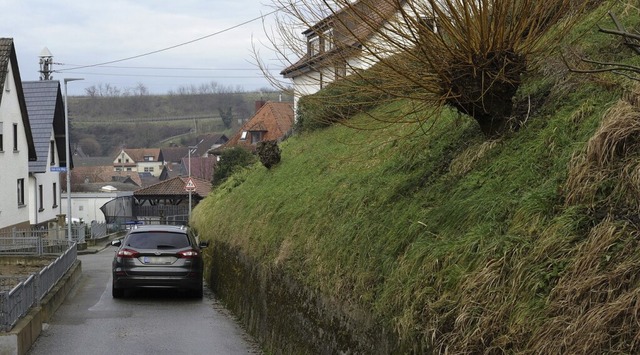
<point x="158" y="240"/>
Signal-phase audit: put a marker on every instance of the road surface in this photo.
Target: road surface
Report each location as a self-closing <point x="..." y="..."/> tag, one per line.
<point x="90" y="321"/>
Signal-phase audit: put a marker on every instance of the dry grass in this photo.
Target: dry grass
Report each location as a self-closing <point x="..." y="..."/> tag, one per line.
<point x="594" y="307"/>
<point x="464" y="162"/>
<point x="609" y="164"/>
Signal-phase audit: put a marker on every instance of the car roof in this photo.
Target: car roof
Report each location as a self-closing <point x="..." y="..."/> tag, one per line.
<point x="158" y="228"/>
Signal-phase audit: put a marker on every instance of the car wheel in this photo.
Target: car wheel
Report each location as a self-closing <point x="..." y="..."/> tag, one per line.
<point x="117" y="292"/>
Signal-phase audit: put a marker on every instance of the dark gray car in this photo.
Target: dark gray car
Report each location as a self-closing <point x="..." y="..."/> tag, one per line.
<point x="158" y="256"/>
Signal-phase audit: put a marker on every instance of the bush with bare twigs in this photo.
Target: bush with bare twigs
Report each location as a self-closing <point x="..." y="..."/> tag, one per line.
<point x="469" y="55"/>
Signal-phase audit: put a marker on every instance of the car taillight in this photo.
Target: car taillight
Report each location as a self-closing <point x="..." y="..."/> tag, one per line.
<point x="188" y="254"/>
<point x="128" y="253"/>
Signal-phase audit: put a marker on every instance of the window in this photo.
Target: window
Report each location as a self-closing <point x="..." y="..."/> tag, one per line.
<point x="15" y="137"/>
<point x="155" y="240"/>
<point x="314" y="46"/>
<point x="119" y="160"/>
<point x="40" y="199"/>
<point x="20" y="192"/>
<point x="148" y="158"/>
<point x="1" y="143"/>
<point x="327" y="43"/>
<point x="52" y="149"/>
<point x="149" y="169"/>
<point x="55" y="195"/>
<point x="244" y="135"/>
<point x="256" y="137"/>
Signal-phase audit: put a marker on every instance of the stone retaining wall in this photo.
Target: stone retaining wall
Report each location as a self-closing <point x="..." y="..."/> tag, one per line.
<point x="287" y="318"/>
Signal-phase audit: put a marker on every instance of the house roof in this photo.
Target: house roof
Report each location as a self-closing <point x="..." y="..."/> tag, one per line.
<point x="208" y="141"/>
<point x="201" y="167"/>
<point x="173" y="154"/>
<point x="8" y="56"/>
<point x="175" y="187"/>
<point x="92" y="161"/>
<point x="274" y="119"/>
<point x="103" y="174"/>
<point x="352" y="26"/>
<point x="46" y="116"/>
<point x="138" y="154"/>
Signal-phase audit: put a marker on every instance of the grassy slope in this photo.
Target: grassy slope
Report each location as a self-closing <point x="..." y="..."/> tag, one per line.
<point x="448" y="239"/>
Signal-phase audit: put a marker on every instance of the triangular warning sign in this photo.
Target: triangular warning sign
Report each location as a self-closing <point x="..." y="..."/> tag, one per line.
<point x="190" y="186"/>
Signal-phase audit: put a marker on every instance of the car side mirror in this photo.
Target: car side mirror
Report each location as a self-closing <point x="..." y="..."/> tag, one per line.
<point x="204" y="244"/>
<point x="116" y="243"/>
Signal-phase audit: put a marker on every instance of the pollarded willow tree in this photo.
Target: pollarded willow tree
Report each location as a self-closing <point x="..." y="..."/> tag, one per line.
<point x="469" y="55"/>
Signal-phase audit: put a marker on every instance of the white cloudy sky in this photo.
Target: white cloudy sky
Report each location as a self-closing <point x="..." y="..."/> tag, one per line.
<point x="88" y="32"/>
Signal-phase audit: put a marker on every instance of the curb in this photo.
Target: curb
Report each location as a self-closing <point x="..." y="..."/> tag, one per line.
<point x="20" y="338"/>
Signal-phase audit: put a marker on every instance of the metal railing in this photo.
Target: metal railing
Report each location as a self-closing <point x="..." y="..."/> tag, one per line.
<point x="78" y="233"/>
<point x="16" y="303"/>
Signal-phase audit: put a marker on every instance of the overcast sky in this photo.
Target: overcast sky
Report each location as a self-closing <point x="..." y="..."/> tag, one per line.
<point x="87" y="32"/>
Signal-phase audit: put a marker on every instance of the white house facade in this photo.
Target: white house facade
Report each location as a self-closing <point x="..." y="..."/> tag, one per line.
<point x="85" y="206"/>
<point x="16" y="143"/>
<point x="46" y="117"/>
<point x="351" y="39"/>
<point x="139" y="161"/>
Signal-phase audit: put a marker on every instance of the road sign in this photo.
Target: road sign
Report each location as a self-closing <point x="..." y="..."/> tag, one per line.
<point x="58" y="169"/>
<point x="190" y="186"/>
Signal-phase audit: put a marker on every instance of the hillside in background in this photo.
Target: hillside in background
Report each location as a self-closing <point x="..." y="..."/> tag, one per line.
<point x="446" y="242"/>
<point x="104" y="124"/>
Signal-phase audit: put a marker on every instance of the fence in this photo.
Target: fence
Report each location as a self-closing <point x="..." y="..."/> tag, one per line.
<point x="78" y="233"/>
<point x="16" y="303"/>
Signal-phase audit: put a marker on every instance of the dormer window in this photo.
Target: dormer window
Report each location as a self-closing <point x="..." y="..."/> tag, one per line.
<point x="327" y="40"/>
<point x="148" y="158"/>
<point x="314" y="46"/>
<point x="256" y="137"/>
<point x="318" y="44"/>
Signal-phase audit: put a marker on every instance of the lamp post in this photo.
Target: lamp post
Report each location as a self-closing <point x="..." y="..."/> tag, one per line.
<point x="189" y="216"/>
<point x="68" y="155"/>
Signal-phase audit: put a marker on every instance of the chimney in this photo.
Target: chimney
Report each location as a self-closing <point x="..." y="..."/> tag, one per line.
<point x="259" y="104"/>
<point x="46" y="60"/>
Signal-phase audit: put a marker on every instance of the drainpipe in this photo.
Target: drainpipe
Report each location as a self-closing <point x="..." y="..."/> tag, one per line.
<point x="35" y="205"/>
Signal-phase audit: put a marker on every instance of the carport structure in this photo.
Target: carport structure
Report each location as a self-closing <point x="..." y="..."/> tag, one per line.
<point x="169" y="198"/>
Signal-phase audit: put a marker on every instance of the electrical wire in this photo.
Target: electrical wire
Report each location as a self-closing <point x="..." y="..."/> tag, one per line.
<point x="174" y="46"/>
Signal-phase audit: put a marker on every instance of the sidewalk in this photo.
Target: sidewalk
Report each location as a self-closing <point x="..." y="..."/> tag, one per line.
<point x="96" y="245"/>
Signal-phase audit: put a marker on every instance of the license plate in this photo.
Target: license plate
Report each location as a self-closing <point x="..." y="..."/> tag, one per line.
<point x="157" y="260"/>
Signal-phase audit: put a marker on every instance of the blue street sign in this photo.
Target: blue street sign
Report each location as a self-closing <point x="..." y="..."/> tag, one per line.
<point x="60" y="169"/>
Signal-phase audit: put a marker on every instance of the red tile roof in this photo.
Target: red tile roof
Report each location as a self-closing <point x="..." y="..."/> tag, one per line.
<point x="274" y="119"/>
<point x="176" y="187"/>
<point x="102" y="174"/>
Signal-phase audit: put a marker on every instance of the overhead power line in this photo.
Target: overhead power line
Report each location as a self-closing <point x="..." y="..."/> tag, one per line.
<point x="174" y="46"/>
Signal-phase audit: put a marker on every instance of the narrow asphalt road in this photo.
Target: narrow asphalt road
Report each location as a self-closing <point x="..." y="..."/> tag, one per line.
<point x="90" y="321"/>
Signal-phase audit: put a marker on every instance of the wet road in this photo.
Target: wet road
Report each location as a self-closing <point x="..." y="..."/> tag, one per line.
<point x="145" y="322"/>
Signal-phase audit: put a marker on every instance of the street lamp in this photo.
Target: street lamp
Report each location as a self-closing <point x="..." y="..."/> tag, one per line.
<point x="189" y="215"/>
<point x="68" y="156"/>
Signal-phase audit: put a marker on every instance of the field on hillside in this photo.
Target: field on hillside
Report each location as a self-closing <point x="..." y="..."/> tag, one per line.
<point x="103" y="125"/>
<point x="455" y="243"/>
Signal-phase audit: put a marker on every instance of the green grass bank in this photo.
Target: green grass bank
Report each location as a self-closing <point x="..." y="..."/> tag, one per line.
<point x="431" y="239"/>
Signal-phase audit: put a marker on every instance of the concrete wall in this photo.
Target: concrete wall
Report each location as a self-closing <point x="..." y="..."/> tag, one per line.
<point x="286" y="317"/>
<point x="26" y="331"/>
